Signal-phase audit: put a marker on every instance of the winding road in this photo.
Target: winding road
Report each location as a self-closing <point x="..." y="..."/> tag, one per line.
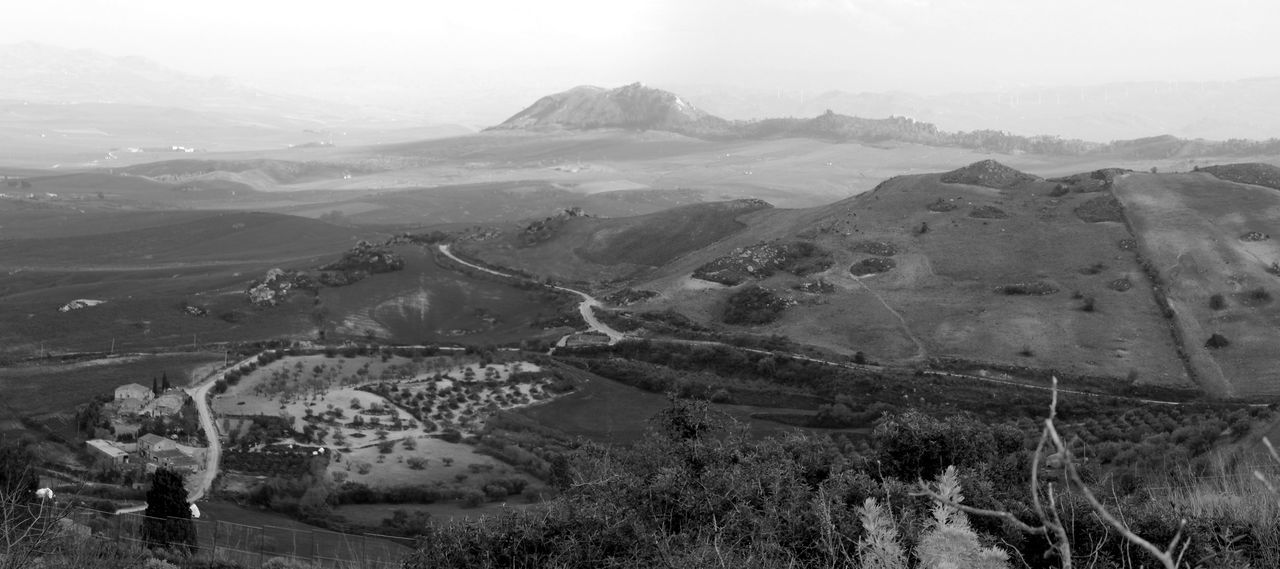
<point x="586" y="307"/>
<point x="213" y="457"/>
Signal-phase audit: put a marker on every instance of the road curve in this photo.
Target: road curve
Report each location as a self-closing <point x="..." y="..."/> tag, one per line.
<point x="586" y="307"/>
<point x="213" y="457"/>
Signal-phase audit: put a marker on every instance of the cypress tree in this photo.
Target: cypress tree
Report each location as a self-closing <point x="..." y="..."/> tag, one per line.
<point x="164" y="381"/>
<point x="168" y="523"/>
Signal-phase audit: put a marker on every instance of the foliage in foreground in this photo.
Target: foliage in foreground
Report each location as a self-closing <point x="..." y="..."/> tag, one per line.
<point x="698" y="493"/>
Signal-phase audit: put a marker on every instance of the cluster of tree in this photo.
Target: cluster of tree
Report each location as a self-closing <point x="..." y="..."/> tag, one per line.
<point x="697" y="492"/>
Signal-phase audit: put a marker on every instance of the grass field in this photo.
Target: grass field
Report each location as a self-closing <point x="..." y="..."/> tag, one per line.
<point x="428" y="303"/>
<point x="29" y="388"/>
<point x="1190" y="226"/>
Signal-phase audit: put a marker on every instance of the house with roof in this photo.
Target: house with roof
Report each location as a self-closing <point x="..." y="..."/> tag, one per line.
<point x="134" y="391"/>
<point x="150" y="444"/>
<point x="173" y="459"/>
<point x="107" y="451"/>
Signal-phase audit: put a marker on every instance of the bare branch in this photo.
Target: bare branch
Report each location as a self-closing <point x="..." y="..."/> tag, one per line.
<point x="925" y="491"/>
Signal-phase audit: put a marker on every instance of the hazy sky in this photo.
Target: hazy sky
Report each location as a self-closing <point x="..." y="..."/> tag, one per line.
<point x="449" y="50"/>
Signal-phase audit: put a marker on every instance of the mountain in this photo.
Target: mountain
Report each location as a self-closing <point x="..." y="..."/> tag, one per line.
<point x="1220" y="110"/>
<point x="633" y="106"/>
<point x="638" y="107"/>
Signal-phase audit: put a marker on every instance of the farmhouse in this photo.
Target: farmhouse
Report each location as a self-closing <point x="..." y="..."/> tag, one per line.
<point x="107" y="451"/>
<point x="150" y="444"/>
<point x="168" y="404"/>
<point x="173" y="459"/>
<point x="134" y="391"/>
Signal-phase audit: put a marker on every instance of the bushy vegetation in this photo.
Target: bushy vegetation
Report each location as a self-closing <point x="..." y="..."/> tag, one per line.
<point x="752" y="306"/>
<point x="941" y="205"/>
<point x="762" y="260"/>
<point x="1033" y="288"/>
<point x="360" y="261"/>
<point x="988" y="212"/>
<point x="629" y="296"/>
<point x="872" y="266"/>
<point x="698" y="492"/>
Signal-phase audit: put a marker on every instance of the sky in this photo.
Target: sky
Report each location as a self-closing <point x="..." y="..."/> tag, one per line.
<point x="478" y="52"/>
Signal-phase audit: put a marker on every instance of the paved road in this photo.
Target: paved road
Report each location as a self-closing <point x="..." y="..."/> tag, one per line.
<point x="213" y="458"/>
<point x="586" y="307"/>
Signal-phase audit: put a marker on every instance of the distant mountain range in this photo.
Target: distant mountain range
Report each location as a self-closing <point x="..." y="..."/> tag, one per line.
<point x="61" y="104"/>
<point x="1218" y="110"/>
<point x="639" y="107"/>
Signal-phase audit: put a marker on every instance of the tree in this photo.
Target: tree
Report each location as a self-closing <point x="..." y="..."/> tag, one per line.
<point x="164" y="382"/>
<point x="168" y="523"/>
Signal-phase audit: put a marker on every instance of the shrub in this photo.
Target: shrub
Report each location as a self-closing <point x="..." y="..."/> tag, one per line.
<point x="872" y="266"/>
<point x="753" y="305"/>
<point x="1089" y="304"/>
<point x="472" y="498"/>
<point x="879" y="547"/>
<point x="1217" y="302"/>
<point x="949" y="540"/>
<point x="1037" y="288"/>
<point x="988" y="212"/>
<point x="941" y="206"/>
<point x="1217" y="341"/>
<point x="1121" y="284"/>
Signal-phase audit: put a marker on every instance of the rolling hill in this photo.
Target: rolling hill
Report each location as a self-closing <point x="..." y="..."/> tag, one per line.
<point x="1007" y="274"/>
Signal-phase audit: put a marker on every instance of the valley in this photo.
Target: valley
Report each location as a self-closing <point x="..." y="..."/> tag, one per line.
<point x="391" y="338"/>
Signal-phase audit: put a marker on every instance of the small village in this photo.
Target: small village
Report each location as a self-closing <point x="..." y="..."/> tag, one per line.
<point x="141" y="429"/>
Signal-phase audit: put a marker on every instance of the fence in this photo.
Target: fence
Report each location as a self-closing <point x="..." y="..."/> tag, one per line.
<point x="252" y="546"/>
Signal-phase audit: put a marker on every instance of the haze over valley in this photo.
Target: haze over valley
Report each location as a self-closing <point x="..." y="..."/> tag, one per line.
<point x="730" y="284"/>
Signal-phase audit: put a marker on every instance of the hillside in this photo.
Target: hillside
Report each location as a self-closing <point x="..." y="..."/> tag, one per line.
<point x="591" y="249"/>
<point x="1211" y="242"/>
<point x="918" y="268"/>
